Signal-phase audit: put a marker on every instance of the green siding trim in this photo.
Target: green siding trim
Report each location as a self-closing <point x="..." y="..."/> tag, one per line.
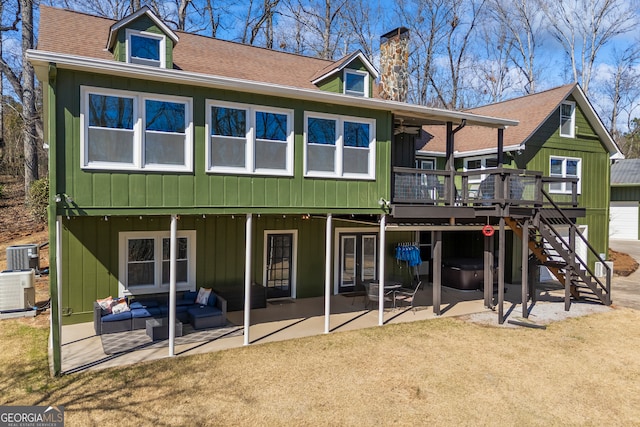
<point x="335" y="82"/>
<point x="143" y="23"/>
<point x="625" y="193"/>
<point x="122" y="193"/>
<point x="49" y="88"/>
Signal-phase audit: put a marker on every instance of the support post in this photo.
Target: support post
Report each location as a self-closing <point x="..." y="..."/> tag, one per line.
<point x="500" y="146"/>
<point x="56" y="304"/>
<point x="437" y="271"/>
<point x="501" y="254"/>
<point x="488" y="272"/>
<point x="381" y="252"/>
<point x="247" y="277"/>
<point x="571" y="271"/>
<point x="327" y="274"/>
<point x="173" y="247"/>
<point x="525" y="268"/>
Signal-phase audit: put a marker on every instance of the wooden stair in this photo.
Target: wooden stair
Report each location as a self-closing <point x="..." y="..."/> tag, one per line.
<point x="553" y="251"/>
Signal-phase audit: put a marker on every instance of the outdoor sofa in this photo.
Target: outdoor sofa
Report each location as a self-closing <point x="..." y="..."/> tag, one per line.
<point x="139" y="310"/>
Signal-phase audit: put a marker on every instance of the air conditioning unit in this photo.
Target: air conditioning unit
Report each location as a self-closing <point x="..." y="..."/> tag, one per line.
<point x="16" y="290"/>
<point x="601" y="271"/>
<point x="23" y="257"/>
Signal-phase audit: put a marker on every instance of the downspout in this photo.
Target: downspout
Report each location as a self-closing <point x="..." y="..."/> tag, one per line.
<point x="55" y="233"/>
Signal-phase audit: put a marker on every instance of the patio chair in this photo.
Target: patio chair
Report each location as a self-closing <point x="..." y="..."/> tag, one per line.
<point x="408" y="296"/>
<point x="373" y="294"/>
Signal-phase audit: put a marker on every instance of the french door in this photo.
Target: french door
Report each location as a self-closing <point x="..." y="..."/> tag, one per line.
<point x="358" y="260"/>
<point x="279" y="264"/>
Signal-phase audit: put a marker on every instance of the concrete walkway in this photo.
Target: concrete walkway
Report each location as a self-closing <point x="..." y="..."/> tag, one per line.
<point x="625" y="291"/>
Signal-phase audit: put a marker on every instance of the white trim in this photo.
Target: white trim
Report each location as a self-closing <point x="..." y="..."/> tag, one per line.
<point x="566" y="189"/>
<point x="336" y="244"/>
<point x="162" y="61"/>
<point x="572" y="132"/>
<point x="293" y="263"/>
<point x="101" y="66"/>
<point x="157" y="236"/>
<point x="113" y="30"/>
<point x="364" y="74"/>
<point x="356" y="55"/>
<point x="338" y="169"/>
<point x="250" y="139"/>
<point x="420" y="161"/>
<point x="483" y="166"/>
<point x="138" y="142"/>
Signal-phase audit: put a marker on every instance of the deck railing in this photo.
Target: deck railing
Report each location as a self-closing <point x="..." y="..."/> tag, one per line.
<point x="488" y="187"/>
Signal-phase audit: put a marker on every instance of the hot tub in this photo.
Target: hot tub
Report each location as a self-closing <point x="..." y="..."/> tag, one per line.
<point x="465" y="273"/>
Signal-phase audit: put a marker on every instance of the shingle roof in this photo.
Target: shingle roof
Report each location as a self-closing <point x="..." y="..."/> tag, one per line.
<point x="531" y="111"/>
<point x="625" y="172"/>
<point x="74" y="33"/>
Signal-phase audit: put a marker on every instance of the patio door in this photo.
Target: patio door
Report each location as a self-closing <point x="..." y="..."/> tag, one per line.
<point x="279" y="265"/>
<point x="358" y="260"/>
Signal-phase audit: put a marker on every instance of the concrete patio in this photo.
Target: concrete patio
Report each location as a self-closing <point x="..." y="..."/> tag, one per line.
<point x="288" y="319"/>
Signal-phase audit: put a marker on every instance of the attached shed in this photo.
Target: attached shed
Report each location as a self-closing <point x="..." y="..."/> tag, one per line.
<point x="625" y="200"/>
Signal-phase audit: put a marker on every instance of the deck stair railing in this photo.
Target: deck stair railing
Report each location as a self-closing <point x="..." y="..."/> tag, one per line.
<point x="558" y="253"/>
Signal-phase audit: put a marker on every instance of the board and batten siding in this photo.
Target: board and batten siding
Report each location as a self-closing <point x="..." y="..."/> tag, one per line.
<point x="101" y="192"/>
<point x="90" y="265"/>
<point x="595" y="173"/>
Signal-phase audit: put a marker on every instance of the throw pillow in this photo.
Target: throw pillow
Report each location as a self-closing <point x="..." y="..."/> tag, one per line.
<point x="120" y="305"/>
<point x="203" y="296"/>
<point x="106" y="303"/>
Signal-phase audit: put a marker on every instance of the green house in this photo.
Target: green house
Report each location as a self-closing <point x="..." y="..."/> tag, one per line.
<point x="559" y="134"/>
<point x="271" y="174"/>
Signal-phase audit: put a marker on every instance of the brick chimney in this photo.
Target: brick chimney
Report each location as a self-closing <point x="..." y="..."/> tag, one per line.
<point x="394" y="65"/>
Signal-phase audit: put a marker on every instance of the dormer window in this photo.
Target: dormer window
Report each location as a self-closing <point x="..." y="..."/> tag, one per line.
<point x="567" y="119"/>
<point x="145" y="48"/>
<point x="356" y="83"/>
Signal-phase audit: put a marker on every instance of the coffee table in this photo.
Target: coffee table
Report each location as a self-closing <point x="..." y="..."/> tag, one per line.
<point x="158" y="328"/>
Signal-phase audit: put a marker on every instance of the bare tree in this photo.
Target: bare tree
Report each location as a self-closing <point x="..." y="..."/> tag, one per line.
<point x="463" y="18"/>
<point x="28" y="99"/>
<point x="213" y="17"/>
<point x="363" y="20"/>
<point x="584" y="27"/>
<point x="524" y="22"/>
<point x="492" y="64"/>
<point x="321" y="23"/>
<point x="259" y="21"/>
<point x="622" y="89"/>
<point x="426" y="21"/>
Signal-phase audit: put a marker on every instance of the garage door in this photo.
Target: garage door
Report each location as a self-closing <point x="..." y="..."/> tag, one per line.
<point x="624" y="220"/>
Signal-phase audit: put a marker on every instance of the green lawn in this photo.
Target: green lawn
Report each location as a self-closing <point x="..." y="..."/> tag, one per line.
<point x="582" y="371"/>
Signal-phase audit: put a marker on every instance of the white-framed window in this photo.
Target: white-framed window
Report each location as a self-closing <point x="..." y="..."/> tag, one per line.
<point x="567" y="119"/>
<point x="249" y="139"/>
<point x="144" y="258"/>
<point x="565" y="167"/>
<point x="356" y="82"/>
<point x="124" y="130"/>
<point x="339" y="146"/>
<point x="426" y="164"/>
<point x="479" y="163"/>
<point x="146" y="48"/>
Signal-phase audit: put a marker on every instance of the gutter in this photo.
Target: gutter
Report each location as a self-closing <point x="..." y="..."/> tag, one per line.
<point x="101" y="66"/>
